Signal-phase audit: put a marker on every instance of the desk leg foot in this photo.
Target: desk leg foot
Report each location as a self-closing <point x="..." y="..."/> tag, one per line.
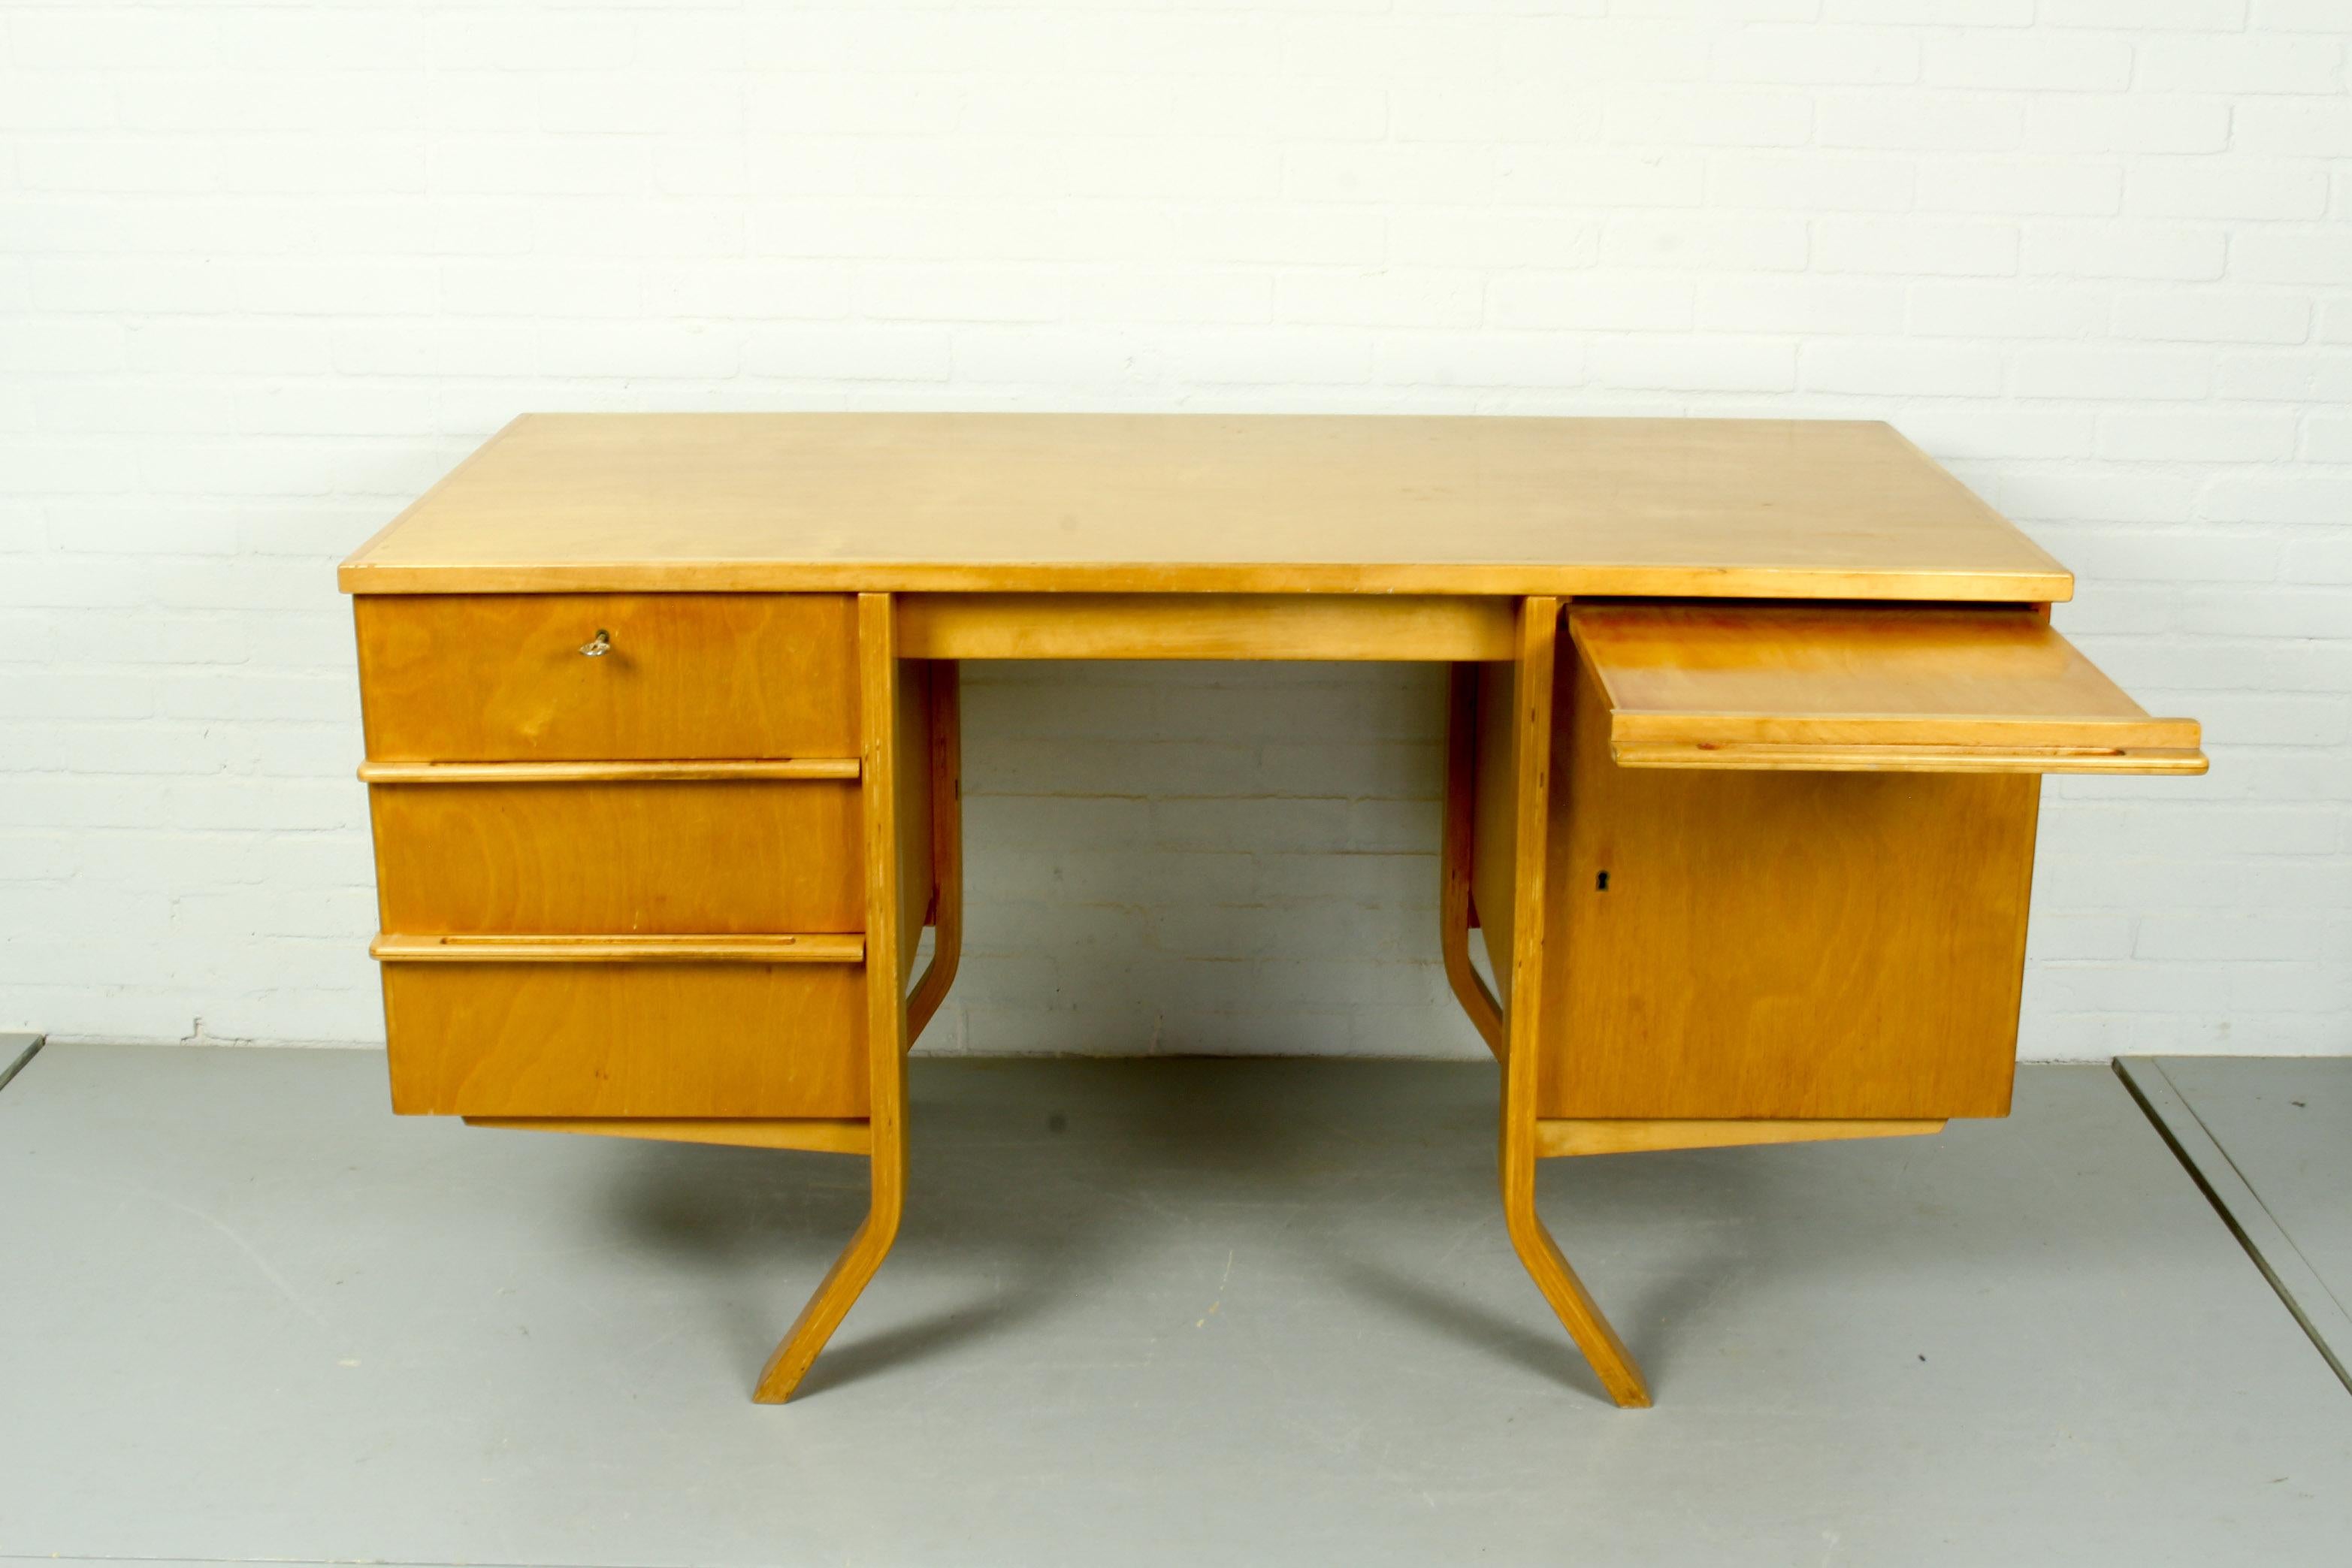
<point x="835" y="1296"/>
<point x="1612" y="1362"/>
<point x="1530" y="718"/>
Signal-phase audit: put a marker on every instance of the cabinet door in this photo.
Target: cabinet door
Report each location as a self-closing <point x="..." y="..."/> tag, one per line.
<point x="1791" y="853"/>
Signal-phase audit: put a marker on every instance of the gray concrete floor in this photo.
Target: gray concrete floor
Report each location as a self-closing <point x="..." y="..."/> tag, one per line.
<point x="2270" y="1139"/>
<point x="1142" y="1312"/>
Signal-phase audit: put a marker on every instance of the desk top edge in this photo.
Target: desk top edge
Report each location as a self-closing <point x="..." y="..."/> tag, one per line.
<point x="1475" y="506"/>
<point x="1266" y="579"/>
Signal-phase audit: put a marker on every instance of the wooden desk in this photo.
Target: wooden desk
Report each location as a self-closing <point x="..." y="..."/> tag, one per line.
<point x="1747" y="717"/>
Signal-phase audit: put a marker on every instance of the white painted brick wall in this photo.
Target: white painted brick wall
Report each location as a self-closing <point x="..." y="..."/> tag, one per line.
<point x="269" y="270"/>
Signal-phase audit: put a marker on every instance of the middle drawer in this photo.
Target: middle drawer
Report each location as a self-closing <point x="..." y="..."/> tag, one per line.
<point x="673" y="857"/>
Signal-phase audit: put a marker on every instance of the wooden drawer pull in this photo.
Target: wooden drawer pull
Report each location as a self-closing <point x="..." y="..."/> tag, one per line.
<point x="603" y="772"/>
<point x="822" y="948"/>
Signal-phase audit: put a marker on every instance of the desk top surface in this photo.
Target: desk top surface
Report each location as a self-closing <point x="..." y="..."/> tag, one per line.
<point x="1204" y="503"/>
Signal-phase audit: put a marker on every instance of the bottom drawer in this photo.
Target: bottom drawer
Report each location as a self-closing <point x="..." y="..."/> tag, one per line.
<point x="685" y="1038"/>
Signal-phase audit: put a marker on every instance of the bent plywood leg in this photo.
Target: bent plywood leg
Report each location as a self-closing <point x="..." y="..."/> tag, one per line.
<point x="885" y="1010"/>
<point x="947" y="849"/>
<point x="1530" y="752"/>
<point x="1455" y="859"/>
<point x="842" y="1284"/>
<point x="1593" y="1332"/>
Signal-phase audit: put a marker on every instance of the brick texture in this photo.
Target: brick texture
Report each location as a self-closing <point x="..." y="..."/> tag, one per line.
<point x="269" y="270"/>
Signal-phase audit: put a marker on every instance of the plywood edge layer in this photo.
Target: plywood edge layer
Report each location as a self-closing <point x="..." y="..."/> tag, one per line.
<point x="604" y="772"/>
<point x="1907" y="758"/>
<point x="825" y="1135"/>
<point x="1559" y="1137"/>
<point x="2049" y="732"/>
<point x="1436" y="628"/>
<point x="1512" y="579"/>
<point x="819" y="948"/>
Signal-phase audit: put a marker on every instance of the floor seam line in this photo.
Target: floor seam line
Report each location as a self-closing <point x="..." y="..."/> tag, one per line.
<point x="2252" y="1190"/>
<point x="2230" y="1220"/>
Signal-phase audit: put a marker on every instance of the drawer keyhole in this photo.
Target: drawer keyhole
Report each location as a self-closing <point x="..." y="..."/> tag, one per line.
<point x="599" y="645"/>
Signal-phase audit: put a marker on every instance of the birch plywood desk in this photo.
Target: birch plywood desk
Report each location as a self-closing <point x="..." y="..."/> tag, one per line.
<point x="1747" y="725"/>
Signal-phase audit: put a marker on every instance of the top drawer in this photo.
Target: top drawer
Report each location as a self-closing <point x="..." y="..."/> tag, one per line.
<point x="502" y="677"/>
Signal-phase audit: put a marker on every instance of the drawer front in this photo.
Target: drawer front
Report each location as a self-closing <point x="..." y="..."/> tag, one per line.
<point x="706" y="856"/>
<point x="626" y="1039"/>
<point x="501" y="677"/>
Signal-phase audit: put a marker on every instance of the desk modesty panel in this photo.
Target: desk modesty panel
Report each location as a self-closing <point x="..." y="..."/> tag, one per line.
<point x="1747" y="720"/>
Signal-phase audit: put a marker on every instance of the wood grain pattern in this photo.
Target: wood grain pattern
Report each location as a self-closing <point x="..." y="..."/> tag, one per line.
<point x="1558" y="1138"/>
<point x="606" y="1040"/>
<point x="615" y="859"/>
<point x="1204" y="626"/>
<point x="1204" y="503"/>
<point x="500" y="677"/>
<point x="882" y="712"/>
<point x="838" y="1135"/>
<point x="1840" y="687"/>
<point x="1846" y="945"/>
<point x="1526" y="1025"/>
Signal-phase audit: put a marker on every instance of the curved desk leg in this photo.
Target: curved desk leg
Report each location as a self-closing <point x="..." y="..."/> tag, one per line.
<point x="1530" y="753"/>
<point x="880" y="726"/>
<point x="838" y="1292"/>
<point x="947" y="849"/>
<point x="1454" y="910"/>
